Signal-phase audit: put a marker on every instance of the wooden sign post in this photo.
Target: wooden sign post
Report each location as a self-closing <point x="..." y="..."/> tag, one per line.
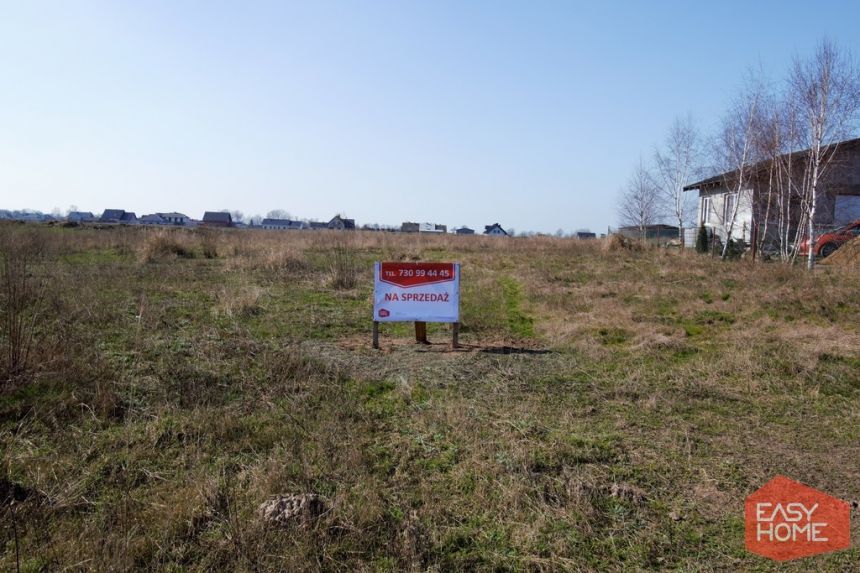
<point x="421" y="332"/>
<point x="419" y="292"/>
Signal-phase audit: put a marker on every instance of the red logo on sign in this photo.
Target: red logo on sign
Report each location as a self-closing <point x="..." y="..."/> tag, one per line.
<point x="383" y="313"/>
<point x="788" y="520"/>
<point x="414" y="274"/>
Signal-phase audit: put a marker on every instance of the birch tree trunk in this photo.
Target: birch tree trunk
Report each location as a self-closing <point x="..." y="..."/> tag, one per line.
<point x="826" y="89"/>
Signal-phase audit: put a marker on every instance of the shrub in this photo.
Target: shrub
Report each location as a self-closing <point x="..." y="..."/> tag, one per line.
<point x="702" y="240"/>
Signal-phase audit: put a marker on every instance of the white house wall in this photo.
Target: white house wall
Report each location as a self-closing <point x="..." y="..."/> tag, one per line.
<point x="715" y="219"/>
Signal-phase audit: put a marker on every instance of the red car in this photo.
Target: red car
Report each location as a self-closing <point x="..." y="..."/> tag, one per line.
<point x="826" y="243"/>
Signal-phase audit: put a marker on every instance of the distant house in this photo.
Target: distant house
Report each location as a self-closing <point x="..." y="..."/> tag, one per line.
<point x="495" y="230"/>
<point x="583" y="235"/>
<point x="658" y="231"/>
<point x="118" y="216"/>
<point x="174" y="218"/>
<point x="317" y="225"/>
<point x="432" y="228"/>
<point x="408" y="227"/>
<point x="282" y="224"/>
<point x="339" y="223"/>
<point x="216" y="219"/>
<point x="152" y="219"/>
<point x="464" y="231"/>
<point x="31" y="216"/>
<point x="80" y="217"/>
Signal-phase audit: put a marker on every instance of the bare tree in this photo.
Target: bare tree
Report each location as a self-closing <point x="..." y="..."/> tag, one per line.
<point x="639" y="204"/>
<point x="826" y="90"/>
<point x="677" y="163"/>
<point x="278" y="214"/>
<point x="735" y="152"/>
<point x="770" y="146"/>
<point x="779" y="137"/>
<point x="235" y="216"/>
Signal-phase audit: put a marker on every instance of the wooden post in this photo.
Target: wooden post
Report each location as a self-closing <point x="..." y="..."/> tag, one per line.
<point x="455" y="335"/>
<point x="376" y="334"/>
<point x="421" y="332"/>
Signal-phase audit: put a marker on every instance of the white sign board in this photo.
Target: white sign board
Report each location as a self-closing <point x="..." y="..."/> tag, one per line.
<point x="423" y="292"/>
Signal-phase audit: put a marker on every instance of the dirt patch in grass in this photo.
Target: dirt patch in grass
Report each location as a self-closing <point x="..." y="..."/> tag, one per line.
<point x="846" y="257"/>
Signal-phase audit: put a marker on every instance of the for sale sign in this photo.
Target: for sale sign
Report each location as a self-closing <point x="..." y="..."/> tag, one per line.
<point x="424" y="292"/>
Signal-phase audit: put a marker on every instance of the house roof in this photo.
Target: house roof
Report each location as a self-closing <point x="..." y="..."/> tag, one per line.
<point x="112" y="215"/>
<point x="80" y="215"/>
<point x="287" y="223"/>
<point x="347" y="223"/>
<point x="217" y="217"/>
<point x="152" y="218"/>
<point x="173" y="215"/>
<point x="128" y="216"/>
<point x="760" y="166"/>
<point x="488" y="228"/>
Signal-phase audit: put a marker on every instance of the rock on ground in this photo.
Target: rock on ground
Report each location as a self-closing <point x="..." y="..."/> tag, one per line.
<point x="284" y="510"/>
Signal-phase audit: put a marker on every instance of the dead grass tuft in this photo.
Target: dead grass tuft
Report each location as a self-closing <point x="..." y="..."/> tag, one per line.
<point x="343" y="264"/>
<point x="164" y="245"/>
<point x="238" y="302"/>
<point x="617" y="242"/>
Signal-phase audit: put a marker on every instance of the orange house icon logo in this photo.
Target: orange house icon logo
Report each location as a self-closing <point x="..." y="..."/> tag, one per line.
<point x="788" y="520"/>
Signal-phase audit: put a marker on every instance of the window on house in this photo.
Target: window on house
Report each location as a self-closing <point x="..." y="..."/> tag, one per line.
<point x="706" y="209"/>
<point x="729" y="207"/>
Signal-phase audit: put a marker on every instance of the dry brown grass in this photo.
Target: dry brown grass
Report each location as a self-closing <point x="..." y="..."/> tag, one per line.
<point x="239" y="301"/>
<point x="161" y="244"/>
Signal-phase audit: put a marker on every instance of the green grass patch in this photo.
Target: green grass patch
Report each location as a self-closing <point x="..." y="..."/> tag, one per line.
<point x="519" y="323"/>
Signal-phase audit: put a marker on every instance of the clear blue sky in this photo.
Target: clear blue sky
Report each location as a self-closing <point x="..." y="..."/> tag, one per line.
<point x="531" y="113"/>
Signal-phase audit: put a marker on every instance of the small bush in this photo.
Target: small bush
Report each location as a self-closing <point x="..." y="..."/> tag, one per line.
<point x="702" y="242"/>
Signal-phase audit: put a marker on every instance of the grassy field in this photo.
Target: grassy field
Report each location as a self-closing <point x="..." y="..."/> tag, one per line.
<point x="610" y="408"/>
